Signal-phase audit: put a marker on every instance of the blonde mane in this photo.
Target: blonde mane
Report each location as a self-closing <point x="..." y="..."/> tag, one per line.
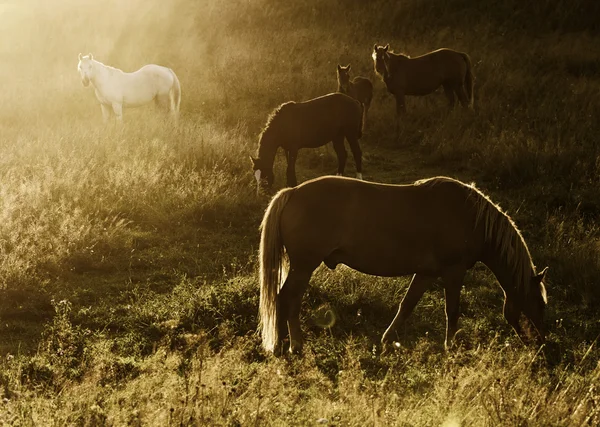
<point x="271" y="117"/>
<point x="500" y="231"/>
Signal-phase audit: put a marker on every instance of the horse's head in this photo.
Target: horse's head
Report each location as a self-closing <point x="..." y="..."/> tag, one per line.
<point x="532" y="305"/>
<point x="264" y="175"/>
<point x="380" y="56"/>
<point x="343" y="75"/>
<point x="85" y="68"/>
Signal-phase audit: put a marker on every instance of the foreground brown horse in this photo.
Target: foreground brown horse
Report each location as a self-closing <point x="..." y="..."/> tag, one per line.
<point x="309" y="124"/>
<point x="435" y="228"/>
<point x="424" y="74"/>
<point x="359" y="88"/>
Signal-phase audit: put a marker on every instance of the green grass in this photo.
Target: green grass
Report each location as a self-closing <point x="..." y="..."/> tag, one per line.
<point x="128" y="274"/>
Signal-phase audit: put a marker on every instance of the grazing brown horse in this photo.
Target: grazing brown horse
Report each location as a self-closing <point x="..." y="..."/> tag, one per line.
<point x="309" y="124"/>
<point x="359" y="88"/>
<point x="422" y="75"/>
<point x="434" y="228"/>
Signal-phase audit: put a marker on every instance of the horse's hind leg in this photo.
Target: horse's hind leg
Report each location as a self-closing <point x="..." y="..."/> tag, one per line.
<point x="290" y="300"/>
<point x="417" y="288"/>
<point x="340" y="150"/>
<point x="357" y="154"/>
<point x="163" y="102"/>
<point x="453" y="282"/>
<point x="462" y="96"/>
<point x="449" y="92"/>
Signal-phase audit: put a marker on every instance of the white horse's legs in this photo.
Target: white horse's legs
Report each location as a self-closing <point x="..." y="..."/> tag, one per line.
<point x="106" y="110"/>
<point x="118" y="110"/>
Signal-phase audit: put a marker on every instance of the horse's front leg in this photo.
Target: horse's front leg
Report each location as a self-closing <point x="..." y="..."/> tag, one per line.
<point x="400" y="110"/>
<point x="118" y="110"/>
<point x="453" y="282"/>
<point x="291" y="156"/>
<point x="416" y="289"/>
<point x="106" y="111"/>
<point x="340" y="150"/>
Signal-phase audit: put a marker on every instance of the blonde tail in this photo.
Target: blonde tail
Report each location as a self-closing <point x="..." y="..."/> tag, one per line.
<point x="469" y="80"/>
<point x="175" y="96"/>
<point x="271" y="254"/>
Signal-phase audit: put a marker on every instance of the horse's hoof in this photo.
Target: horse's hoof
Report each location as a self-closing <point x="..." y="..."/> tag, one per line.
<point x="389" y="347"/>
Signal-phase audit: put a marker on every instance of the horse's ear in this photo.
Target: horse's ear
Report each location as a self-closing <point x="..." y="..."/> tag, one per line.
<point x="348" y="67"/>
<point x="542" y="274"/>
<point x="339" y="67"/>
<point x="91" y="56"/>
<point x="253" y="160"/>
<point x="386" y="47"/>
<point x="80" y="56"/>
<point x="375" y="47"/>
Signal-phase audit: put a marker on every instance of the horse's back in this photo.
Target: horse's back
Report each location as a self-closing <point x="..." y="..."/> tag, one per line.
<point x="157" y="73"/>
<point x="379" y="228"/>
<point x="423" y="74"/>
<point x="147" y="83"/>
<point x="315" y="122"/>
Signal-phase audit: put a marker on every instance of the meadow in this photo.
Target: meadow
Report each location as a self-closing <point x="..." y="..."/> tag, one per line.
<point x="128" y="254"/>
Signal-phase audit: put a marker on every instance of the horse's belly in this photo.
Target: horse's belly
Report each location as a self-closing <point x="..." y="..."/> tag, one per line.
<point x="422" y="89"/>
<point x="387" y="263"/>
<point x="102" y="99"/>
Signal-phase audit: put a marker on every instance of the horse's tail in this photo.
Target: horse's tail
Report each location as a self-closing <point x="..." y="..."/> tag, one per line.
<point x="271" y="254"/>
<point x="469" y="79"/>
<point x="363" y="112"/>
<point x="175" y="95"/>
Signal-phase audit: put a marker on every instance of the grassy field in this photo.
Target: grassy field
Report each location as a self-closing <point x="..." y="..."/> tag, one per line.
<point x="128" y="254"/>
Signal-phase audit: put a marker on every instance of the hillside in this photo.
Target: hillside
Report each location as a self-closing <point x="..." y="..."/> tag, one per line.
<point x="128" y="254"/>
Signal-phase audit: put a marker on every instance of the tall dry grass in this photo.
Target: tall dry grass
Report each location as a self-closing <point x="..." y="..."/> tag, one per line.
<point x="128" y="287"/>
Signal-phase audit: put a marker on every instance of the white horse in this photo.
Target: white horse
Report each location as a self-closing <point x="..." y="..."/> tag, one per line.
<point x="116" y="89"/>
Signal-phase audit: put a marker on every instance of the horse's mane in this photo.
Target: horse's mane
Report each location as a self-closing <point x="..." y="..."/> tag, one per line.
<point x="109" y="67"/>
<point x="500" y="231"/>
<point x="276" y="112"/>
<point x="396" y="58"/>
<point x="398" y="55"/>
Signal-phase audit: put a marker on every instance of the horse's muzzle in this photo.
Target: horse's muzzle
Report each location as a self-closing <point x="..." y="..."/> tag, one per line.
<point x="85" y="82"/>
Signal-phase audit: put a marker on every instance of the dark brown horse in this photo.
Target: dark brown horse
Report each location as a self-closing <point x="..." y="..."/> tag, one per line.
<point x="424" y="74"/>
<point x="359" y="88"/>
<point x="309" y="124"/>
<point x="434" y="228"/>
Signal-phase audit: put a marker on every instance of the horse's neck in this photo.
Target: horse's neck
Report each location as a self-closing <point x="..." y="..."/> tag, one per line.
<point x="343" y="88"/>
<point x="267" y="148"/>
<point x="512" y="272"/>
<point x="102" y="73"/>
<point x="502" y="271"/>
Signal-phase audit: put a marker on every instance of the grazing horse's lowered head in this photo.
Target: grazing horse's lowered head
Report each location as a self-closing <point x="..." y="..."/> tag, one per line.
<point x="85" y="68"/>
<point x="263" y="174"/>
<point x="334" y="117"/>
